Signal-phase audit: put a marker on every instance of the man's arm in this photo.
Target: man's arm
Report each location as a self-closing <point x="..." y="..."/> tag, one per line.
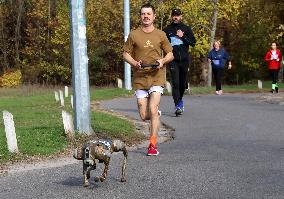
<point x="167" y="33"/>
<point x="168" y="58"/>
<point x="129" y="59"/>
<point x="188" y="37"/>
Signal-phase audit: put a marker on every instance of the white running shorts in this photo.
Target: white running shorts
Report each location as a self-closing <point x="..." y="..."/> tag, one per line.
<point x="140" y="93"/>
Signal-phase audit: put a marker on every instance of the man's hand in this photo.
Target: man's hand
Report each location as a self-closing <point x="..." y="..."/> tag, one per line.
<point x="129" y="59"/>
<point x="161" y="61"/>
<point x="180" y="33"/>
<point x="137" y="65"/>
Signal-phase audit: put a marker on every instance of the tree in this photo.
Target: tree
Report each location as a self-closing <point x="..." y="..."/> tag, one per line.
<point x="11" y="13"/>
<point x="35" y="36"/>
<point x="17" y="39"/>
<point x="213" y="23"/>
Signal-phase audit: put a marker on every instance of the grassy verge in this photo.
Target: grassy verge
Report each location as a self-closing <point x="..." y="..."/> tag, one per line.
<point x="245" y="88"/>
<point x="38" y="122"/>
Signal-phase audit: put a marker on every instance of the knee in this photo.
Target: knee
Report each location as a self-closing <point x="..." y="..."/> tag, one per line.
<point x="142" y="112"/>
<point x="144" y="116"/>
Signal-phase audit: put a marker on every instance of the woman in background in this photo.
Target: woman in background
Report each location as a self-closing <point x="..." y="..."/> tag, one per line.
<point x="273" y="58"/>
<point x="218" y="58"/>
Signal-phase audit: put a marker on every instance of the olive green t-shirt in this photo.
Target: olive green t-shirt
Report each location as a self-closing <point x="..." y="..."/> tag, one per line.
<point x="148" y="48"/>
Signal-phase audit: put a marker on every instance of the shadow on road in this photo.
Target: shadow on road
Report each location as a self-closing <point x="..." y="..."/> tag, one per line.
<point x="73" y="181"/>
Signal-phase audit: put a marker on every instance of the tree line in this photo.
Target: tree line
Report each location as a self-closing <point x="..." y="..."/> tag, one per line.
<point x="35" y="37"/>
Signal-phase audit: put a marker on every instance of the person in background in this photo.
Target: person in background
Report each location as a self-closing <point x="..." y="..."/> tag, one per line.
<point x="181" y="37"/>
<point x="218" y="58"/>
<point x="144" y="46"/>
<point x="273" y="58"/>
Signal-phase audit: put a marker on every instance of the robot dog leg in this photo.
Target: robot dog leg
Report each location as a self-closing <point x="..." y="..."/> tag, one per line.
<point x="120" y="146"/>
<point x="116" y="146"/>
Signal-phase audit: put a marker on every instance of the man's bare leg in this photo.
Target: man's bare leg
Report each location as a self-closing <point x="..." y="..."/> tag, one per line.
<point x="143" y="108"/>
<point x="148" y="110"/>
<point x="154" y="103"/>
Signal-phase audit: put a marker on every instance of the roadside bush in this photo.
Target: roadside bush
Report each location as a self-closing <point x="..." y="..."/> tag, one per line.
<point x="11" y="79"/>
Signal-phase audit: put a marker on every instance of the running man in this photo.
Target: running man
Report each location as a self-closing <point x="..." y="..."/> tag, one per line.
<point x="144" y="46"/>
<point x="181" y="37"/>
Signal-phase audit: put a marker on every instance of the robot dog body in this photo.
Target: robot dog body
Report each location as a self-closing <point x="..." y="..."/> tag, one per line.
<point x="100" y="150"/>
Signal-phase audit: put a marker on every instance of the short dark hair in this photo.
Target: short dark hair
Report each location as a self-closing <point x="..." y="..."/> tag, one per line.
<point x="148" y="5"/>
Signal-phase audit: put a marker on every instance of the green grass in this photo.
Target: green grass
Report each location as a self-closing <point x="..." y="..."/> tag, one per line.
<point x="109" y="93"/>
<point x="38" y="122"/>
<point x="245" y="88"/>
<point x="109" y="126"/>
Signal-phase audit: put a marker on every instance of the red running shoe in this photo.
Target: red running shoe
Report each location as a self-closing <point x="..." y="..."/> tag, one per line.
<point x="152" y="150"/>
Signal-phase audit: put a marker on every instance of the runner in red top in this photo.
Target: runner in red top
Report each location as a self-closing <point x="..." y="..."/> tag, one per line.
<point x="273" y="58"/>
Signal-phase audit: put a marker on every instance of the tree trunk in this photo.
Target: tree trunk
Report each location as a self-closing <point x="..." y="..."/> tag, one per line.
<point x="204" y="72"/>
<point x="212" y="38"/>
<point x="52" y="9"/>
<point x="3" y="42"/>
<point x="17" y="31"/>
<point x="160" y="2"/>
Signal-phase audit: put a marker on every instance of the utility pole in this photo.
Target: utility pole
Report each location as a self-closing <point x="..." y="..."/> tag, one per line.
<point x="80" y="76"/>
<point x="127" y="68"/>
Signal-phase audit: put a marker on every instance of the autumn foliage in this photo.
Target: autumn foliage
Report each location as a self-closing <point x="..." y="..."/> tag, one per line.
<point x="11" y="79"/>
<point x="35" y="36"/>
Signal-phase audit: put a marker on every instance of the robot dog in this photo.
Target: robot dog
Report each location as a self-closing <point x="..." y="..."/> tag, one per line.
<point x="100" y="150"/>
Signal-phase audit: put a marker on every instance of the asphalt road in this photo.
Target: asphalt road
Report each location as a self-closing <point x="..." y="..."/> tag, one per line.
<point x="229" y="146"/>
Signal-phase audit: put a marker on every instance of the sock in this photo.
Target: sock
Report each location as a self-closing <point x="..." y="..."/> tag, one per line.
<point x="153" y="140"/>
